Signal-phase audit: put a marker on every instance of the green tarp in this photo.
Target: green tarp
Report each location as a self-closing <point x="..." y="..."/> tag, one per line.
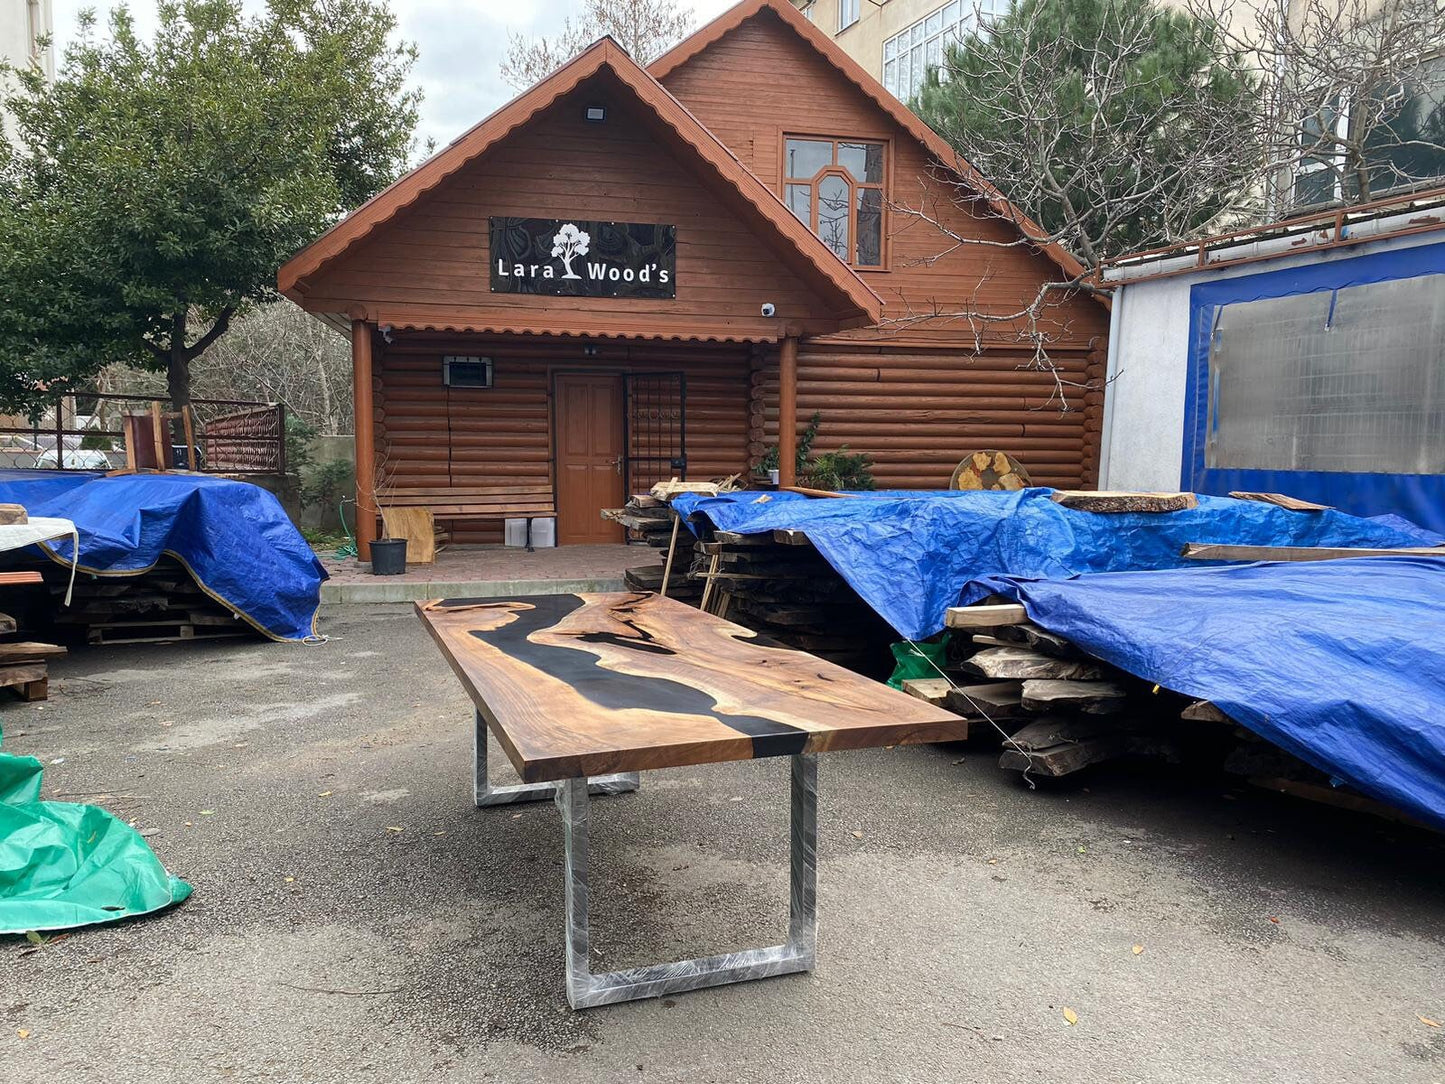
<point x="64" y="864"/>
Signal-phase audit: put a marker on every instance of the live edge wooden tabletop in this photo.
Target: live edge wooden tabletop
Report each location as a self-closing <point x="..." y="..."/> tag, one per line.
<point x="589" y="684"/>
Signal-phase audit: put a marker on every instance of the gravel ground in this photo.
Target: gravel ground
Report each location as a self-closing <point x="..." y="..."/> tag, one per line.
<point x="961" y="912"/>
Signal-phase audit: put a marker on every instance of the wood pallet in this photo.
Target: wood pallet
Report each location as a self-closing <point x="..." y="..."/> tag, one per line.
<point x="25" y="668"/>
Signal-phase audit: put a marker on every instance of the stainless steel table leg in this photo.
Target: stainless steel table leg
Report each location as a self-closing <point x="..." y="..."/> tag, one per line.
<point x="585" y="990"/>
<point x="485" y="794"/>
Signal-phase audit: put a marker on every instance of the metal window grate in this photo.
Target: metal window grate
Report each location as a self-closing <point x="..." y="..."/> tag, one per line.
<point x="656" y="429"/>
<point x="1343" y="380"/>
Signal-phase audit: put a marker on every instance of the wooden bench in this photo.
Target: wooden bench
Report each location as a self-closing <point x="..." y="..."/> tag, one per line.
<point x="529" y="502"/>
<point x="583" y="691"/>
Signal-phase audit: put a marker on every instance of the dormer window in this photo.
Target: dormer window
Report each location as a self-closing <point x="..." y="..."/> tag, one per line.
<point x="835" y="187"/>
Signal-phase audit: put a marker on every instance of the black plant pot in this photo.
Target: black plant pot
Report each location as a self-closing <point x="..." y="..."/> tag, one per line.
<point x="388" y="557"/>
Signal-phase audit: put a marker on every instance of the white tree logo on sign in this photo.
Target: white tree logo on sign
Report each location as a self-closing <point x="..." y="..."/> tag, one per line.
<point x="569" y="243"/>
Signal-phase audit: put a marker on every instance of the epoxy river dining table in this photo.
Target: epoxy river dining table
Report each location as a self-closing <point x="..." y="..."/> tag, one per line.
<point x="586" y="691"/>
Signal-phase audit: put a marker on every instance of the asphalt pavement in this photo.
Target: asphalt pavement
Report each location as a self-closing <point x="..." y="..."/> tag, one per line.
<point x="355" y="918"/>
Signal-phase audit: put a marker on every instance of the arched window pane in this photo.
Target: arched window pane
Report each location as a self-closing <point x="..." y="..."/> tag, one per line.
<point x="834" y="196"/>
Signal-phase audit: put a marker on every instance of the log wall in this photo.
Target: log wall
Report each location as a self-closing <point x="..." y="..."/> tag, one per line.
<point x="432" y="435"/>
<point x="919" y="411"/>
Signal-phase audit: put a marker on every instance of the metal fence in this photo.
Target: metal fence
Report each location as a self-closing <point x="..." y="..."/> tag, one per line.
<point x="85" y="432"/>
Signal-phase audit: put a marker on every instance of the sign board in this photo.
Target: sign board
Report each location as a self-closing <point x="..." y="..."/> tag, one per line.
<point x="576" y="258"/>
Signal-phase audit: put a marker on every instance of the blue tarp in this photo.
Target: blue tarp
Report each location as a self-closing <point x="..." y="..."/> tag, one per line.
<point x="1341" y="663"/>
<point x="911" y="555"/>
<point x="233" y="536"/>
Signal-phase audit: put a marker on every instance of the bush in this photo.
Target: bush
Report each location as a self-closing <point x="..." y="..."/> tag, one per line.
<point x="327" y="484"/>
<point x="828" y="470"/>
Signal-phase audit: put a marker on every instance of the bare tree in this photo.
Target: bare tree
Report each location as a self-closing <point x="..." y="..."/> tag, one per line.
<point x="1354" y="102"/>
<point x="645" y="28"/>
<point x="274" y="353"/>
<point x="1099" y="126"/>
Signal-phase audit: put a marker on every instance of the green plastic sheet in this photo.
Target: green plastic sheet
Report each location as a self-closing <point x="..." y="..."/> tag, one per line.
<point x="917" y="660"/>
<point x="63" y="864"/>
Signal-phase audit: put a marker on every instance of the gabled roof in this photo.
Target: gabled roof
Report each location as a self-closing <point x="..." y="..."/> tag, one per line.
<point x="834" y="279"/>
<point x="851" y="70"/>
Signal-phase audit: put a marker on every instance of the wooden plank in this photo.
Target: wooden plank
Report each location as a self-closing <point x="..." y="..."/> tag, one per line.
<point x="1067" y="758"/>
<point x="589" y="684"/>
<point x="1281" y="500"/>
<point x="787" y="536"/>
<point x="994" y="700"/>
<point x="13" y="513"/>
<point x="1202" y="711"/>
<point x="1339" y="797"/>
<point x="417" y="526"/>
<point x="1092" y="697"/>
<point x="22" y="673"/>
<point x="1115" y="501"/>
<point x="7" y="624"/>
<point x="1018" y="662"/>
<point x="1206" y="551"/>
<point x="1052" y="730"/>
<point x="17" y="579"/>
<point x="985" y="617"/>
<point x="29" y="651"/>
<point x="733" y="538"/>
<point x="933" y="690"/>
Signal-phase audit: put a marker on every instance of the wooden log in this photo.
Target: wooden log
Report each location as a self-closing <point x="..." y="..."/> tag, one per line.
<point x="1021" y="663"/>
<point x="934" y="690"/>
<point x="985" y="617"/>
<point x="1281" y="500"/>
<point x="1091" y="697"/>
<point x="995" y="700"/>
<point x="1208" y="551"/>
<point x="1114" y="501"/>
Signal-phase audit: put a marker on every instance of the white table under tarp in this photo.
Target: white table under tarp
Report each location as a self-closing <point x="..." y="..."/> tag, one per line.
<point x="16" y="536"/>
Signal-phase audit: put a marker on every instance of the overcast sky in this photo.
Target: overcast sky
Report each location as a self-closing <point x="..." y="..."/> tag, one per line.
<point x="461" y="45"/>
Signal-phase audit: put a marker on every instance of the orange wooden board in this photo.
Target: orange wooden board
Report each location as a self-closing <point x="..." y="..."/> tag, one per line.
<point x="584" y="685"/>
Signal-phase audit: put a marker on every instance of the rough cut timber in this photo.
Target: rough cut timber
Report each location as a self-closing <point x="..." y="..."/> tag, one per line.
<point x="985" y="617"/>
<point x="990" y="470"/>
<point x="1202" y="711"/>
<point x="1066" y="758"/>
<point x="1205" y="551"/>
<point x="934" y="690"/>
<point x="996" y="700"/>
<point x="13" y="513"/>
<point x="1017" y="662"/>
<point x="1111" y="501"/>
<point x="1281" y="500"/>
<point x="1090" y="697"/>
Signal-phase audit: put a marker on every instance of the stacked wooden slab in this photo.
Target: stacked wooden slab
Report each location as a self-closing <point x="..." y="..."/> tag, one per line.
<point x="1056" y="708"/>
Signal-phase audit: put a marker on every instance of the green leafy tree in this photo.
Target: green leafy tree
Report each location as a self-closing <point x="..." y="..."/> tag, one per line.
<point x="1112" y="124"/>
<point x="158" y="184"/>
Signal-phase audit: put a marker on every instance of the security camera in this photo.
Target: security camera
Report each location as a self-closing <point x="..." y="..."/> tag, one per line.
<point x="769" y="308"/>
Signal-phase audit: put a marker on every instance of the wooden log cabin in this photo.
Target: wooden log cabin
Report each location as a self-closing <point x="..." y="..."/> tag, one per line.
<point x="625" y="275"/>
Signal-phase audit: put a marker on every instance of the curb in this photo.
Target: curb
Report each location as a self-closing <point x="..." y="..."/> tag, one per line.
<point x="414" y="590"/>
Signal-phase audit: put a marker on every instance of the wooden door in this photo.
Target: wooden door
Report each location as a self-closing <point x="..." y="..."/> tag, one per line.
<point x="590" y="457"/>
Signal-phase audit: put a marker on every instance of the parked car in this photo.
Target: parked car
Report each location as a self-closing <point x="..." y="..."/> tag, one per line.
<point x="75" y="459"/>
